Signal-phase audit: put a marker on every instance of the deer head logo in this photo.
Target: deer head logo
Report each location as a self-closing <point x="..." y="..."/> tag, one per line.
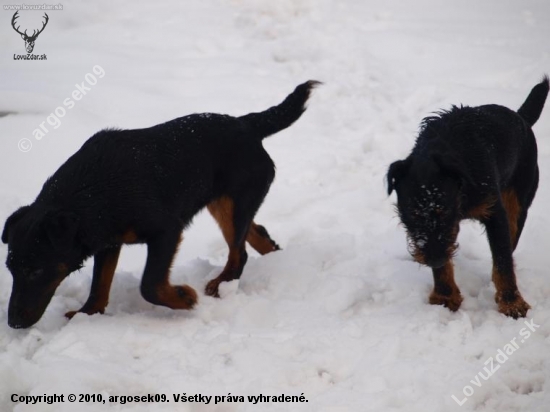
<point x="29" y="40"/>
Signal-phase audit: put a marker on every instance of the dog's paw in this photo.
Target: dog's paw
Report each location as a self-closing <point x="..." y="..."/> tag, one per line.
<point x="187" y="295"/>
<point x="515" y="308"/>
<point x="70" y="314"/>
<point x="451" y="302"/>
<point x="212" y="288"/>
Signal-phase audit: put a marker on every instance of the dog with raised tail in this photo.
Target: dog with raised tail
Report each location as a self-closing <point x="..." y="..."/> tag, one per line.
<point x="470" y="163"/>
<point x="145" y="186"/>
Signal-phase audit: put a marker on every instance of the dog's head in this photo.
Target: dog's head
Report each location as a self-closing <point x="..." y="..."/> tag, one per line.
<point x="428" y="202"/>
<point x="42" y="251"/>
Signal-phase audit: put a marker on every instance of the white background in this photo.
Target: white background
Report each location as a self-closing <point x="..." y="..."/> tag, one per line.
<point x="341" y="313"/>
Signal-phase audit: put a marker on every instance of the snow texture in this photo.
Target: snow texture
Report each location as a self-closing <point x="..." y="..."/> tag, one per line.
<point x="341" y="313"/>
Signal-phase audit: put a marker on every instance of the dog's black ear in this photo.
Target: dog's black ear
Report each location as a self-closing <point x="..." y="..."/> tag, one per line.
<point x="61" y="227"/>
<point x="453" y="167"/>
<point x="12" y="220"/>
<point x="395" y="172"/>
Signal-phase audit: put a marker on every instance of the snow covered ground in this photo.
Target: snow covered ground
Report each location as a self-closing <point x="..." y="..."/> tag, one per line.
<point x="340" y="315"/>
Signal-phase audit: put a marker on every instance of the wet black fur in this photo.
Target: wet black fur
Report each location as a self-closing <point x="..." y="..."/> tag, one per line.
<point x="464" y="158"/>
<point x="151" y="181"/>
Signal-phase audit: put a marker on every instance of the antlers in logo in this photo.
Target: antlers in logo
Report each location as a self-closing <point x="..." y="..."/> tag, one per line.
<point x="29" y="40"/>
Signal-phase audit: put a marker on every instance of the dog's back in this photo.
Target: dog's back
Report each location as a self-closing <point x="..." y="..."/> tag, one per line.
<point x="175" y="167"/>
<point x="487" y="138"/>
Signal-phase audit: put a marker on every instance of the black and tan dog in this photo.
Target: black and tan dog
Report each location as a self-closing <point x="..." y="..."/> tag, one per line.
<point x="470" y="163"/>
<point x="145" y="186"/>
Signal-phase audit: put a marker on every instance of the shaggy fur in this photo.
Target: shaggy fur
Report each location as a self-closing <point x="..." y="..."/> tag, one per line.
<point x="145" y="186"/>
<point x="470" y="163"/>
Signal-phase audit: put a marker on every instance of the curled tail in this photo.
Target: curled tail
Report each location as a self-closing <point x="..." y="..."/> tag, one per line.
<point x="280" y="117"/>
<point x="531" y="109"/>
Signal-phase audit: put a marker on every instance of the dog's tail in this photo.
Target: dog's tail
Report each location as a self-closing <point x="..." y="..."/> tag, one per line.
<point x="280" y="117"/>
<point x="531" y="109"/>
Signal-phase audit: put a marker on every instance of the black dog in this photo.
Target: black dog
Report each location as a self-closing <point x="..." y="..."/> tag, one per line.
<point x="470" y="163"/>
<point x="145" y="186"/>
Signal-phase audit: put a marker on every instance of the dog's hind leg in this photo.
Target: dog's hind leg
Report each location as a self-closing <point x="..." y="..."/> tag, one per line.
<point x="260" y="240"/>
<point x="520" y="199"/>
<point x="514" y="212"/>
<point x="105" y="262"/>
<point x="445" y="290"/>
<point x="155" y="285"/>
<point x="509" y="300"/>
<point x="234" y="221"/>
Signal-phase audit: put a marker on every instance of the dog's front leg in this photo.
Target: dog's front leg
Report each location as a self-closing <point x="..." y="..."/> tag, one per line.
<point x="508" y="298"/>
<point x="105" y="262"/>
<point x="445" y="290"/>
<point x="155" y="284"/>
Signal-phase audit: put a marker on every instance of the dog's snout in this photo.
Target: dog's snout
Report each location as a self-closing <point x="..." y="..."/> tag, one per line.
<point x="18" y="317"/>
<point x="436" y="263"/>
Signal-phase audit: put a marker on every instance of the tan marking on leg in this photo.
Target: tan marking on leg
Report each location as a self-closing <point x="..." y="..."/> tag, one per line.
<point x="233" y="263"/>
<point x="107" y="274"/>
<point x="99" y="298"/>
<point x="259" y="241"/>
<point x="511" y="205"/>
<point x="509" y="300"/>
<point x="445" y="290"/>
<point x="156" y="288"/>
<point x="222" y="211"/>
<point x="176" y="297"/>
